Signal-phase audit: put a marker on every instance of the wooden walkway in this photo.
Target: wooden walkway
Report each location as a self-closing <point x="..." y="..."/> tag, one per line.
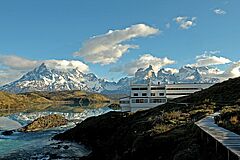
<point x="225" y="137"/>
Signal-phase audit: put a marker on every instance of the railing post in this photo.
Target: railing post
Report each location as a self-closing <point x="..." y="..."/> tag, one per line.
<point x="216" y="146"/>
<point x="207" y="139"/>
<point x="228" y="154"/>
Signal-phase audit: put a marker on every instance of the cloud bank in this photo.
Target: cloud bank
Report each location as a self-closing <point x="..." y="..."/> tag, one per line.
<point x="212" y="62"/>
<point x="16" y="62"/>
<point x="233" y="70"/>
<point x="209" y="60"/>
<point x="66" y="65"/>
<point x="108" y="48"/>
<point x="143" y="62"/>
<point x="13" y="67"/>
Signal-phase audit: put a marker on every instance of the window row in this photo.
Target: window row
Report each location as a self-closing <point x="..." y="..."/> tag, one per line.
<point x="139" y="88"/>
<point x="124" y="102"/>
<point x="151" y="101"/>
<point x="153" y="88"/>
<point x="145" y="94"/>
<point x="177" y="94"/>
<point x="139" y="100"/>
<point x="183" y="88"/>
<point x="158" y="88"/>
<point x="158" y="100"/>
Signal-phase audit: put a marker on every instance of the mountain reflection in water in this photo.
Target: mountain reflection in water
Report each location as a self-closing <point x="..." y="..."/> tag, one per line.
<point x="39" y="144"/>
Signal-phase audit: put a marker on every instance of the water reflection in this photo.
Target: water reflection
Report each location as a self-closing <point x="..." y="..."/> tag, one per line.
<point x="76" y="108"/>
<point x="32" y="144"/>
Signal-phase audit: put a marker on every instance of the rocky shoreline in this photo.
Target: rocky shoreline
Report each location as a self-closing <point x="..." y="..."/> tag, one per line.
<point x="166" y="132"/>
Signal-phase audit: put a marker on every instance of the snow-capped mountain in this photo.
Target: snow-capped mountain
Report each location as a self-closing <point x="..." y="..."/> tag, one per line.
<point x="43" y="78"/>
<point x="186" y="74"/>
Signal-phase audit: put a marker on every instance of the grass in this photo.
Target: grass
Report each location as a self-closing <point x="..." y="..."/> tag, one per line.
<point x="229" y="118"/>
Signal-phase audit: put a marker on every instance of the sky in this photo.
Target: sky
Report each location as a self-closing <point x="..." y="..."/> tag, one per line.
<point x="114" y="38"/>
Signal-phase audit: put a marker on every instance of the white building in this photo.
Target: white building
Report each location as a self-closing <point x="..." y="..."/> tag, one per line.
<point x="145" y="96"/>
<point x="184" y="89"/>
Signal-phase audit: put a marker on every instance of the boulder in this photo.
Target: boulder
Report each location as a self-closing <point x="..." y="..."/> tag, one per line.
<point x="45" y="122"/>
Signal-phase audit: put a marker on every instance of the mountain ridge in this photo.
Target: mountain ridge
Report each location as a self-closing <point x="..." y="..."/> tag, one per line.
<point x="44" y="78"/>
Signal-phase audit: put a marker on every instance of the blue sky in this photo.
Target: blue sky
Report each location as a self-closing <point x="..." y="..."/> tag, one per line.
<point x="46" y="30"/>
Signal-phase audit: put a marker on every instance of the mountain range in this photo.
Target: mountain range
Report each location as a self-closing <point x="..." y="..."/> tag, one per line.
<point x="44" y="78"/>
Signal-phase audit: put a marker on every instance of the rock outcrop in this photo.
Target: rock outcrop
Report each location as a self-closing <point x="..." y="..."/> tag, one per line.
<point x="7" y="133"/>
<point x="45" y="122"/>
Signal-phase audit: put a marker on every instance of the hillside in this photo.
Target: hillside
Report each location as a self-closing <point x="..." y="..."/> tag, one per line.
<point x="39" y="100"/>
<point x="19" y="101"/>
<point x="166" y="132"/>
<point x="14" y="102"/>
<point x="74" y="96"/>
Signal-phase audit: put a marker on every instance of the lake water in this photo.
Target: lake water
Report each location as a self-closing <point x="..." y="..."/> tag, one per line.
<point x="38" y="145"/>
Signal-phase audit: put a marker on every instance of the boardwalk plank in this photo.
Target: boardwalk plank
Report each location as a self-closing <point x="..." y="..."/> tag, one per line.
<point x="227" y="138"/>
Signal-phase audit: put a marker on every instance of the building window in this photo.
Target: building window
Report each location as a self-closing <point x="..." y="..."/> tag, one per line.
<point x="135" y="88"/>
<point x="144" y="94"/>
<point x="158" y="88"/>
<point x="157" y="100"/>
<point x="139" y="100"/>
<point x="153" y="94"/>
<point x="143" y="88"/>
<point x="124" y="102"/>
<point x="161" y="94"/>
<point x="135" y="94"/>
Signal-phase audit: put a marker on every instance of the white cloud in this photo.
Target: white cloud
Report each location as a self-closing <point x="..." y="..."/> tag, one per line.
<point x="185" y="22"/>
<point x="143" y="62"/>
<point x="66" y="65"/>
<point x="219" y="11"/>
<point x="215" y="71"/>
<point x="16" y="62"/>
<point x="209" y="60"/>
<point x="233" y="70"/>
<point x="8" y="75"/>
<point x="108" y="48"/>
<point x="12" y="67"/>
<point x="19" y="63"/>
<point x="172" y="70"/>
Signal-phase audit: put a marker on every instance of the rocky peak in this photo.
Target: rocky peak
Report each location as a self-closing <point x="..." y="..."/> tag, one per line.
<point x="148" y="73"/>
<point x="163" y="72"/>
<point x="150" y="68"/>
<point x="42" y="68"/>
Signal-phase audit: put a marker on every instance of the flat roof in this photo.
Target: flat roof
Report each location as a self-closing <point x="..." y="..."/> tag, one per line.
<point x="124" y="97"/>
<point x="166" y="84"/>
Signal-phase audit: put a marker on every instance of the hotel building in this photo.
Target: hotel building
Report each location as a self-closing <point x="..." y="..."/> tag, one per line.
<point x="145" y="96"/>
